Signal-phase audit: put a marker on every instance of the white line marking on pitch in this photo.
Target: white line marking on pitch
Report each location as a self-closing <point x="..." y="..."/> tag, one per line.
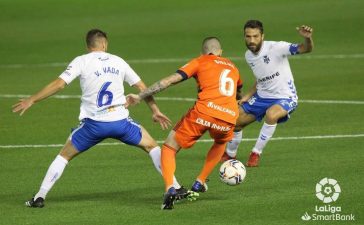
<point x="175" y="60"/>
<point x="192" y="99"/>
<point x="203" y="141"/>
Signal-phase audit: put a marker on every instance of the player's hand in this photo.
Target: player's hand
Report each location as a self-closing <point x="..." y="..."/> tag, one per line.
<point x="22" y="106"/>
<point x="305" y="31"/>
<point x="162" y="119"/>
<point x="132" y="99"/>
<point x="243" y="99"/>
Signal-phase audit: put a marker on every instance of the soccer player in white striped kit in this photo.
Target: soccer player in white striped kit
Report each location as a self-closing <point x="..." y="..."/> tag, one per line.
<point x="274" y="94"/>
<point x="102" y="111"/>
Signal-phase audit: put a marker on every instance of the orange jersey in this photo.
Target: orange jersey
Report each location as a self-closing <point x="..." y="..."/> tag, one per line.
<point x="217" y="79"/>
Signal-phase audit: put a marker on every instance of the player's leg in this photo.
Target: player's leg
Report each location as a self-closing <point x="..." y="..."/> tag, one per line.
<point x="212" y="159"/>
<point x="221" y="137"/>
<point x="148" y="144"/>
<point x="81" y="139"/>
<point x="243" y="120"/>
<point x="54" y="172"/>
<point x="277" y="112"/>
<point x="168" y="159"/>
<point x="273" y="114"/>
<point x="185" y="133"/>
<point x="168" y="163"/>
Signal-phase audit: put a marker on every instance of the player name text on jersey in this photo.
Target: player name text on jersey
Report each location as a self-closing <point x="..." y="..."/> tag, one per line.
<point x="224" y="63"/>
<point x="108" y="70"/>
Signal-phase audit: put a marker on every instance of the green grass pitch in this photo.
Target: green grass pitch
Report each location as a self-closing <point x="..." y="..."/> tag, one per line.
<point x="117" y="184"/>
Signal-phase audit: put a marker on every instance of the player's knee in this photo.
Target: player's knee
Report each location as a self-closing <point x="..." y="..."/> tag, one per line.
<point x="69" y="151"/>
<point x="240" y="125"/>
<point x="271" y="117"/>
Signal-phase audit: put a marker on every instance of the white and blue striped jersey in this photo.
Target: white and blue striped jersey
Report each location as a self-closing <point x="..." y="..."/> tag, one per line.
<point x="101" y="79"/>
<point x="272" y="70"/>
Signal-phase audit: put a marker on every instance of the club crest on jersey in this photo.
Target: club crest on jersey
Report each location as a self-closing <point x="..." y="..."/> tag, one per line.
<point x="266" y="59"/>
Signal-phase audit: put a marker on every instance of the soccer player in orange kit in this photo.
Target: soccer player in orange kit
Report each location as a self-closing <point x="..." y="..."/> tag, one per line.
<point x="215" y="110"/>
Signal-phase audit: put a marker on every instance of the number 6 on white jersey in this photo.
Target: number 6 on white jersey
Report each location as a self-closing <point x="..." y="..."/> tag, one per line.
<point x="226" y="84"/>
<point x="103" y="95"/>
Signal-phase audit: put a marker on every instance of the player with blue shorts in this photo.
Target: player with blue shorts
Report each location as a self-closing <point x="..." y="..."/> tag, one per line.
<point x="273" y="96"/>
<point x="102" y="111"/>
<point x="258" y="106"/>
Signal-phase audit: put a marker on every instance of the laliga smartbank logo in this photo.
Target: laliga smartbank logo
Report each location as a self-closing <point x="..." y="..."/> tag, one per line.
<point x="328" y="191"/>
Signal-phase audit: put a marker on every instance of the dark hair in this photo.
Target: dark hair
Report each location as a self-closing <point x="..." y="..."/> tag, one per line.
<point x="256" y="24"/>
<point x="93" y="35"/>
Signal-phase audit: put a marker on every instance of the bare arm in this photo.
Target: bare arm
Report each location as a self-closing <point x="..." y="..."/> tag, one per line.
<point x="161" y="85"/>
<point x="49" y="90"/>
<point x="133" y="99"/>
<point x="149" y="100"/>
<point x="163" y="120"/>
<point x="249" y="94"/>
<point x="306" y="33"/>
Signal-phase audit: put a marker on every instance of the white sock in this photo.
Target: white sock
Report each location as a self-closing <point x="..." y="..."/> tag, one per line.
<point x="232" y="146"/>
<point x="54" y="172"/>
<point x="266" y="133"/>
<point x="155" y="154"/>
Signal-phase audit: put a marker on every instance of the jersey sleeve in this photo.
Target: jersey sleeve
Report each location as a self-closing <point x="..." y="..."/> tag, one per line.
<point x="130" y="75"/>
<point x="239" y="84"/>
<point x="188" y="70"/>
<point x="73" y="71"/>
<point x="286" y="48"/>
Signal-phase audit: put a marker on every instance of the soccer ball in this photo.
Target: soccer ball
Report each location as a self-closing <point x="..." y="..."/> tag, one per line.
<point x="232" y="172"/>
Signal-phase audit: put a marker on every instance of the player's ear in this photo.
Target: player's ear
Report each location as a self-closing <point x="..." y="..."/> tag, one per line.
<point x="106" y="44"/>
<point x="103" y="44"/>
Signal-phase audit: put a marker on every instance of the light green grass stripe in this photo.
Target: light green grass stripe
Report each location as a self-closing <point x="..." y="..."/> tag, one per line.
<point x="194" y="99"/>
<point x="181" y="60"/>
<point x="201" y="141"/>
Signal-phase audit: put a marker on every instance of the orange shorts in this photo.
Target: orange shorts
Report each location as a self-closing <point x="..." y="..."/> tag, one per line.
<point x="194" y="124"/>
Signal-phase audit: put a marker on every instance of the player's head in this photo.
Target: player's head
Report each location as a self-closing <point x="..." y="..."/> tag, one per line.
<point x="253" y="35"/>
<point x="211" y="45"/>
<point x="96" y="40"/>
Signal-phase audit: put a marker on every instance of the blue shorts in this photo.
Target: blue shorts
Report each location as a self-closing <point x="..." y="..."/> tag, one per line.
<point x="258" y="106"/>
<point x="91" y="132"/>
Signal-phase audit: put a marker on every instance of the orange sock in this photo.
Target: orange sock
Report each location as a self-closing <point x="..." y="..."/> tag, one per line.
<point x="168" y="163"/>
<point x="212" y="158"/>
